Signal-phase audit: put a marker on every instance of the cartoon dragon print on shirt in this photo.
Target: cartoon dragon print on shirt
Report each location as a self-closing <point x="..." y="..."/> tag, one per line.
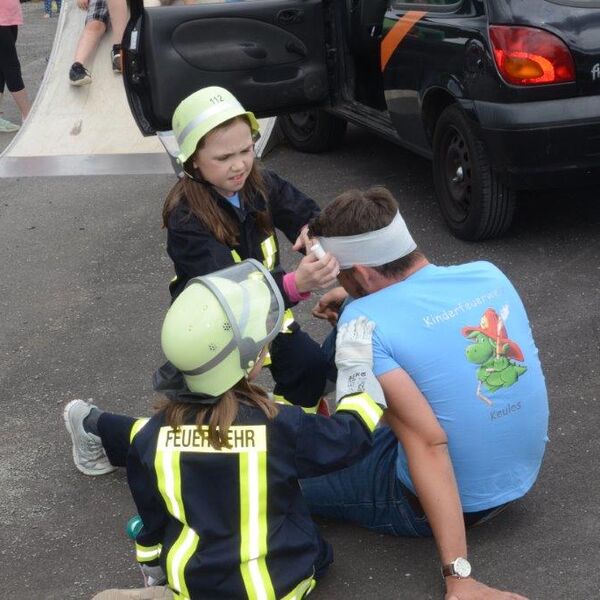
<point x="494" y="352"/>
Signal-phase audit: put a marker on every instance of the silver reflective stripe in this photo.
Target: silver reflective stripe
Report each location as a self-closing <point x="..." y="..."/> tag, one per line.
<point x="203" y="116"/>
<point x="215" y="360"/>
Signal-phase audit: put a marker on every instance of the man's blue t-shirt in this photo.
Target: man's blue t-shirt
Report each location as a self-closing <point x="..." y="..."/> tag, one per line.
<point x="463" y="336"/>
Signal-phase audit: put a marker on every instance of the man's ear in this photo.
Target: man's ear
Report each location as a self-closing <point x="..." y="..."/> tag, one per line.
<point x="366" y="277"/>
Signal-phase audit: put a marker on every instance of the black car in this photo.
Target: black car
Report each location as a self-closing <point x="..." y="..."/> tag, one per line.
<point x="502" y="95"/>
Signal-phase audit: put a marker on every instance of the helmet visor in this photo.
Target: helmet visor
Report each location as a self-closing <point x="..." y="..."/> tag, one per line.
<point x="253" y="305"/>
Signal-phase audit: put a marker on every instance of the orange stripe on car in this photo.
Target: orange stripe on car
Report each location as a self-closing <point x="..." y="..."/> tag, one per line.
<point x="397" y="33"/>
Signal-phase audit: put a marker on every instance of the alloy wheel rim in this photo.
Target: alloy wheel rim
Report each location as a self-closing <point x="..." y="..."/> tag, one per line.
<point x="457" y="175"/>
<point x="303" y="123"/>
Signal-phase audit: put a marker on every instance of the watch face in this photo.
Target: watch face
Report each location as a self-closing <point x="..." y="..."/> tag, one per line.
<point x="462" y="567"/>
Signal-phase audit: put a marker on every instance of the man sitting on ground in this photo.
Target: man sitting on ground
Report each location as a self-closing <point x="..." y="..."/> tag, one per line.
<point x="467" y="404"/>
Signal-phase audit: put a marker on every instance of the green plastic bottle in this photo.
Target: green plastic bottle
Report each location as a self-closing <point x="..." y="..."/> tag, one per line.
<point x="134" y="526"/>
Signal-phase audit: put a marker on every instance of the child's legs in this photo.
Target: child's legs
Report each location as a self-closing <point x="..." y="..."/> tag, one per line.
<point x="115" y="433"/>
<point x="96" y="24"/>
<point x="117" y="10"/>
<point x="367" y="493"/>
<point x="325" y="556"/>
<point x="48" y="6"/>
<point x="88" y="41"/>
<point x="298" y="367"/>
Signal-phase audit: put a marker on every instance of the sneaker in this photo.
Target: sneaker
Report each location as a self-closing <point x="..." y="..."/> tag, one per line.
<point x="79" y="75"/>
<point x="88" y="454"/>
<point x="8" y="127"/>
<point x="115" y="57"/>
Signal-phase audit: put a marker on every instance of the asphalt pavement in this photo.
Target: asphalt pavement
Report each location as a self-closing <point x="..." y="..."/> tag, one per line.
<point x="83" y="290"/>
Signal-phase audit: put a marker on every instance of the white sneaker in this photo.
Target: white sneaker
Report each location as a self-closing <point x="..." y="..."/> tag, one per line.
<point x="88" y="454"/>
<point x="8" y="127"/>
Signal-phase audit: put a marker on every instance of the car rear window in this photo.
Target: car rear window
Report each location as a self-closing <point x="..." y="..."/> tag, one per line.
<point x="578" y="3"/>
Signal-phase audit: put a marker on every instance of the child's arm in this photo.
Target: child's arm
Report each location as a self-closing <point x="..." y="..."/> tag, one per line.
<point x="193" y="249"/>
<point x="290" y="209"/>
<point x="326" y="444"/>
<point x="148" y="543"/>
<point x="335" y="443"/>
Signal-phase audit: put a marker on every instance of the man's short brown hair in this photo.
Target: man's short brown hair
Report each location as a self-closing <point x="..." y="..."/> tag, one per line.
<point x="354" y="212"/>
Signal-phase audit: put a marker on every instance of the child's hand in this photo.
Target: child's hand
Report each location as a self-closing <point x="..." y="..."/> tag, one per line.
<point x="316" y="273"/>
<point x="83" y="4"/>
<point x="302" y="241"/>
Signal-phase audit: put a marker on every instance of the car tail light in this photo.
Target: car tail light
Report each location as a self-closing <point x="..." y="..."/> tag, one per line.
<point x="529" y="56"/>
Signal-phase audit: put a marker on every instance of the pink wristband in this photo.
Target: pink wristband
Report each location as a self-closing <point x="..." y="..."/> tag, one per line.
<point x="291" y="291"/>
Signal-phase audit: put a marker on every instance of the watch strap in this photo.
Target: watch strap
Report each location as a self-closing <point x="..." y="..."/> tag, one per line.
<point x="448" y="570"/>
<point x="459" y="568"/>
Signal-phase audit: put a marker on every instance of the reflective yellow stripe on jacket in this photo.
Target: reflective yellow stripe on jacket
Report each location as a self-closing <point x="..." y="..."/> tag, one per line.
<point x="147" y="553"/>
<point x="311" y="410"/>
<point x="253" y="519"/>
<point x="249" y="442"/>
<point x="136" y="427"/>
<point x="288" y="319"/>
<point x="269" y="250"/>
<point x="143" y="553"/>
<point x="168" y="470"/>
<point x="303" y="589"/>
<point x="368" y="410"/>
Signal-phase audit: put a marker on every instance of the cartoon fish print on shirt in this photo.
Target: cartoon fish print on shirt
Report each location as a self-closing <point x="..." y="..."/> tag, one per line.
<point x="494" y="352"/>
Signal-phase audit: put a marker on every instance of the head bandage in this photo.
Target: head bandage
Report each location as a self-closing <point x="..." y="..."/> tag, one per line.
<point x="371" y="249"/>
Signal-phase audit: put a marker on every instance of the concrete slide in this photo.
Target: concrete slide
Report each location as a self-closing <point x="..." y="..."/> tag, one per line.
<point x="87" y="130"/>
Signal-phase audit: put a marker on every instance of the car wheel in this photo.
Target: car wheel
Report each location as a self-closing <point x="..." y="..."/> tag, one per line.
<point x="474" y="202"/>
<point x="313" y="130"/>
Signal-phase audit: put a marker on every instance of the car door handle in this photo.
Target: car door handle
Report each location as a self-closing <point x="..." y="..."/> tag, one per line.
<point x="296" y="48"/>
<point x="289" y="16"/>
<point x="254" y="50"/>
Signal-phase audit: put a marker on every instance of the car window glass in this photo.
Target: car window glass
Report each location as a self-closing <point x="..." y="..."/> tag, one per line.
<point x="148" y="3"/>
<point x="428" y="4"/>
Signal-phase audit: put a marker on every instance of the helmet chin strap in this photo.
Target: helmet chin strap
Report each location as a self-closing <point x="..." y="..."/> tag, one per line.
<point x="197" y="179"/>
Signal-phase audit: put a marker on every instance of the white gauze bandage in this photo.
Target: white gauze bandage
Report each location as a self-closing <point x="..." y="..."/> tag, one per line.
<point x="371" y="249"/>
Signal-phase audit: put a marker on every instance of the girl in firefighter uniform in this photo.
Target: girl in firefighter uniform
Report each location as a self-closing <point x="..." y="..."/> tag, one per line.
<point x="214" y="474"/>
<point x="225" y="208"/>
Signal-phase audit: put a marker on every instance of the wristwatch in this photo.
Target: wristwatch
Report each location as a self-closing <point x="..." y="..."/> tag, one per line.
<point x="459" y="568"/>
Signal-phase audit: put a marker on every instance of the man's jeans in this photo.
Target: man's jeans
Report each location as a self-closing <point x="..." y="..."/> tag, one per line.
<point x="368" y="493"/>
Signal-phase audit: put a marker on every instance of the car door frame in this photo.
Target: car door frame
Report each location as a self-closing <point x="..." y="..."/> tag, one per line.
<point x="292" y="84"/>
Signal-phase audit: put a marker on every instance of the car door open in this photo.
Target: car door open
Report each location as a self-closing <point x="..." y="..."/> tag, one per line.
<point x="270" y="54"/>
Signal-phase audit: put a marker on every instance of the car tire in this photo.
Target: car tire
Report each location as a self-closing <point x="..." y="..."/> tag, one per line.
<point x="313" y="130"/>
<point x="474" y="202"/>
